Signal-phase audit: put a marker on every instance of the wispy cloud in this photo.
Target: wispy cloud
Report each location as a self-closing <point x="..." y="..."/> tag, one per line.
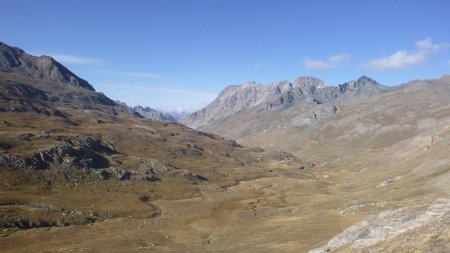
<point x="334" y="61"/>
<point x="76" y="60"/>
<point x="179" y="109"/>
<point x="85" y="61"/>
<point x="159" y="96"/>
<point x="403" y="59"/>
<point x="143" y="74"/>
<point x="259" y="66"/>
<point x="152" y="88"/>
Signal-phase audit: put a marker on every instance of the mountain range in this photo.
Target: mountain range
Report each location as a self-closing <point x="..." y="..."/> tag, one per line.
<point x="307" y="96"/>
<point x="381" y="145"/>
<point x="357" y="167"/>
<point x="151" y="113"/>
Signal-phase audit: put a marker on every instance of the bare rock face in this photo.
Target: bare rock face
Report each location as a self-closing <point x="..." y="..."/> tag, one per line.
<point x="15" y="60"/>
<point x="388" y="226"/>
<point x="302" y="94"/>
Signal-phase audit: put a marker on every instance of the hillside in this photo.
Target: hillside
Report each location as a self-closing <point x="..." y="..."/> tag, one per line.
<point x="386" y="147"/>
<point x="80" y="172"/>
<point x="77" y="167"/>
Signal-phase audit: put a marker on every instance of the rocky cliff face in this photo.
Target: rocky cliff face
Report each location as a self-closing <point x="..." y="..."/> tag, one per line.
<point x="15" y="60"/>
<point x="150" y="113"/>
<point x="303" y="93"/>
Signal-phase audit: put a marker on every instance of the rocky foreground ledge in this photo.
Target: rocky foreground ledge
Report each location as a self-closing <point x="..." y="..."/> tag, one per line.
<point x="392" y="231"/>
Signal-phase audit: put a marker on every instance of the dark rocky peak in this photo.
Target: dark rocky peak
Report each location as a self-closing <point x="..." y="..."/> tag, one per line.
<point x="363" y="84"/>
<point x="145" y="109"/>
<point x="15" y="60"/>
<point x="9" y="56"/>
<point x="367" y="81"/>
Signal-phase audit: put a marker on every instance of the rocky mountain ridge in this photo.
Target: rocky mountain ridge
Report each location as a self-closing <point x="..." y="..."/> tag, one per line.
<point x="150" y="113"/>
<point x="304" y="92"/>
<point x="15" y="60"/>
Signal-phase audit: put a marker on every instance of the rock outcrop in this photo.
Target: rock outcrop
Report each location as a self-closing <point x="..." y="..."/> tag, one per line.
<point x="80" y="152"/>
<point x="391" y="225"/>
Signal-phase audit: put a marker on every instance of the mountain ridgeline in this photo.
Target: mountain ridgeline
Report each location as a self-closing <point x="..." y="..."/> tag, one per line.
<point x="150" y="113"/>
<point x="355" y="167"/>
<point x="15" y="60"/>
<point x="43" y="85"/>
<point x="308" y="94"/>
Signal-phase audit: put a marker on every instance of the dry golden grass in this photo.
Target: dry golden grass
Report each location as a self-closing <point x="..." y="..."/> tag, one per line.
<point x="253" y="200"/>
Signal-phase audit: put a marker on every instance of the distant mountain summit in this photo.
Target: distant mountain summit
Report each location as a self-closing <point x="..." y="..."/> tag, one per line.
<point x="150" y="113"/>
<point x="363" y="86"/>
<point x="15" y="60"/>
<point x="308" y="94"/>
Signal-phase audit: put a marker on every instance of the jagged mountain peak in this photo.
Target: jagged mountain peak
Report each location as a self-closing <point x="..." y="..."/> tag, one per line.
<point x="308" y="81"/>
<point x="365" y="80"/>
<point x="15" y="60"/>
<point x="151" y="113"/>
<point x="304" y="93"/>
<point x="363" y="84"/>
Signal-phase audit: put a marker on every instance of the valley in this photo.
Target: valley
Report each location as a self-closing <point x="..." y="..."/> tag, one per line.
<point x="282" y="167"/>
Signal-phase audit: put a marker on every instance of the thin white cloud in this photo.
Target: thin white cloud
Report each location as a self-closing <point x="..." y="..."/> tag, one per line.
<point x="159" y="96"/>
<point x="114" y="72"/>
<point x="70" y="59"/>
<point x="334" y="61"/>
<point x="143" y="74"/>
<point x="259" y="66"/>
<point x="179" y="109"/>
<point x="76" y="60"/>
<point x="403" y="59"/>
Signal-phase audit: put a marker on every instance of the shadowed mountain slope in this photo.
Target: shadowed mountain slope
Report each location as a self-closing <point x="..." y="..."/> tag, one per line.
<point x="15" y="60"/>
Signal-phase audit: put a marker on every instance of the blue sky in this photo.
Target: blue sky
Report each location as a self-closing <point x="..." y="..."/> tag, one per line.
<point x="171" y="54"/>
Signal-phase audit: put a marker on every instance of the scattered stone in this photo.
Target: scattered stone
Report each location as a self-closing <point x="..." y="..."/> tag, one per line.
<point x="5" y="145"/>
<point x="5" y="123"/>
<point x="25" y="137"/>
<point x="259" y="159"/>
<point x="389" y="181"/>
<point x="195" y="178"/>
